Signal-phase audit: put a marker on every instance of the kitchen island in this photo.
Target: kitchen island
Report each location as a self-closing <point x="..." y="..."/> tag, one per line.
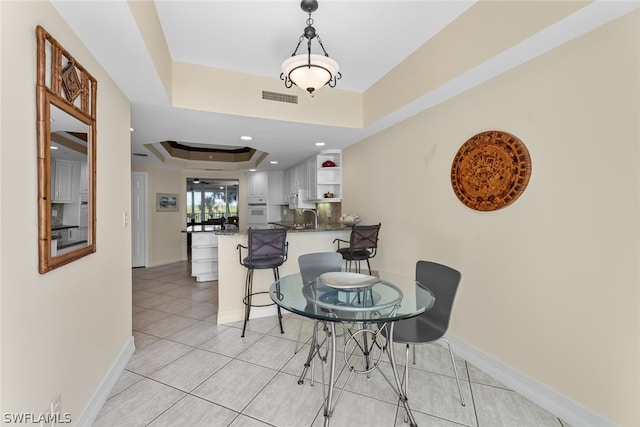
<point x="231" y="274"/>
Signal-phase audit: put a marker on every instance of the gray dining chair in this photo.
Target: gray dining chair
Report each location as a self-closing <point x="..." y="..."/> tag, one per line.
<point x="313" y="265"/>
<point x="430" y="326"/>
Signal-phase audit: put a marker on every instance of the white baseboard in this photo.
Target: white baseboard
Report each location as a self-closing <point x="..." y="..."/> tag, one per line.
<point x="548" y="399"/>
<point x="237" y="315"/>
<point x="91" y="411"/>
<point x="157" y="263"/>
<point x="229" y="316"/>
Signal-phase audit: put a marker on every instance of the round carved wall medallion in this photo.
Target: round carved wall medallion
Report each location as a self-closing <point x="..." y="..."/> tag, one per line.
<point x="491" y="170"/>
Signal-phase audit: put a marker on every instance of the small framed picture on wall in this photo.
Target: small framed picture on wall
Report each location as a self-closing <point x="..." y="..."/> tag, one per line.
<point x="166" y="202"/>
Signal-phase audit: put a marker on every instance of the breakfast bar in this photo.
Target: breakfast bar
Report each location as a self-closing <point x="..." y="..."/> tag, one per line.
<point x="231" y="274"/>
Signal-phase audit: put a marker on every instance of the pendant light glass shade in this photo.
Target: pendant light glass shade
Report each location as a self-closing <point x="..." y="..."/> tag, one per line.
<point x="310" y="72"/>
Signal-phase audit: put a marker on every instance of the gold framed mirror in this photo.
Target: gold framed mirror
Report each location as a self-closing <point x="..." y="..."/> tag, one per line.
<point x="66" y="127"/>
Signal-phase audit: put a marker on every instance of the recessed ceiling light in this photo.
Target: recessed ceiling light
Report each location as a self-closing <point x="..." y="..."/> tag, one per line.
<point x="273" y="162"/>
<point x="252" y="170"/>
<point x="54" y="148"/>
<point x="320" y="144"/>
<point x="246" y="138"/>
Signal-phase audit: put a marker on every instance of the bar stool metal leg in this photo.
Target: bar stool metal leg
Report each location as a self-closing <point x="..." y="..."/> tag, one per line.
<point x="276" y="275"/>
<point x="248" y="290"/>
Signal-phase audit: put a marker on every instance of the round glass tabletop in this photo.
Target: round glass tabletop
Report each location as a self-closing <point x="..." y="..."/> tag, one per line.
<point x="386" y="297"/>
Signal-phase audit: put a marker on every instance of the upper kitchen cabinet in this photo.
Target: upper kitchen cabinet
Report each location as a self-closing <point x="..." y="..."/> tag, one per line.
<point x="312" y="178"/>
<point x="294" y="180"/>
<point x="62" y="191"/>
<point x="328" y="183"/>
<point x="84" y="180"/>
<point x="278" y="194"/>
<point x="257" y="184"/>
<point x="320" y="177"/>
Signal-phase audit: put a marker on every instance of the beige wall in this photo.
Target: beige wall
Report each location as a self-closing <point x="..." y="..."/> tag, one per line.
<point x="551" y="283"/>
<point x="165" y="241"/>
<point x="60" y="331"/>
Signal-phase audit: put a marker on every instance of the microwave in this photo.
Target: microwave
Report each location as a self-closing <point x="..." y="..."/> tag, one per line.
<point x="296" y="201"/>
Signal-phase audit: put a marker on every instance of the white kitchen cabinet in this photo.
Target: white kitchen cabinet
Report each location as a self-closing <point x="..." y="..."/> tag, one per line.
<point x="312" y="179"/>
<point x="315" y="179"/>
<point x="304" y="178"/>
<point x="277" y="194"/>
<point x="296" y="180"/>
<point x="62" y="191"/>
<point x="257" y="184"/>
<point x="204" y="256"/>
<point x="84" y="178"/>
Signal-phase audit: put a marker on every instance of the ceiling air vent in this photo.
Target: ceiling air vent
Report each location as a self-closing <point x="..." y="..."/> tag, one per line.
<point x="279" y="97"/>
<point x="140" y="154"/>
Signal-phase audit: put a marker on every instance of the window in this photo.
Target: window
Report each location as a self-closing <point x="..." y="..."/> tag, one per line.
<point x="209" y="199"/>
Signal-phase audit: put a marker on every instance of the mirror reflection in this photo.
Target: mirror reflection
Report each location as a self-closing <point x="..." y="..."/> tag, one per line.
<point x="69" y="183"/>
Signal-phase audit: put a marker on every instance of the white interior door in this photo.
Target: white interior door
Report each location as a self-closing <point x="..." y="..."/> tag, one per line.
<point x="138" y="219"/>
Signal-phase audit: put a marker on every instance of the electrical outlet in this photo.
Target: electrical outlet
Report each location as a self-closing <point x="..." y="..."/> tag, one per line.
<point x="44" y="417"/>
<point x="55" y="405"/>
<point x="125" y="219"/>
<point x="51" y="415"/>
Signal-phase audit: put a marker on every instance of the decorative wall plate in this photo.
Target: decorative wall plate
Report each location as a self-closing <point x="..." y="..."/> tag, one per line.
<point x="491" y="170"/>
<point x="71" y="82"/>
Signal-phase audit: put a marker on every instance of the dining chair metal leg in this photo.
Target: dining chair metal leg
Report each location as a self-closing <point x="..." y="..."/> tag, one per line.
<point x="455" y="371"/>
<point x="405" y="384"/>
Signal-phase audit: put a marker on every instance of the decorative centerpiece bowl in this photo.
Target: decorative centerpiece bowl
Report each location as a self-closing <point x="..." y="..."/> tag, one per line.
<point x="349" y="220"/>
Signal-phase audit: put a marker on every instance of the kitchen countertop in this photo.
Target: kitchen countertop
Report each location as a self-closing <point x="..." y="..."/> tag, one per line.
<point x="202" y="228"/>
<point x="291" y="228"/>
<point x="216" y="229"/>
<point x="63" y="227"/>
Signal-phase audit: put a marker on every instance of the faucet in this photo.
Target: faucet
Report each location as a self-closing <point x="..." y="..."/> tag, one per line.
<point x="315" y="217"/>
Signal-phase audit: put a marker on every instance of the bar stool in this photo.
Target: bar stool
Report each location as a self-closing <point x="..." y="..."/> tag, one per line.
<point x="363" y="244"/>
<point x="267" y="248"/>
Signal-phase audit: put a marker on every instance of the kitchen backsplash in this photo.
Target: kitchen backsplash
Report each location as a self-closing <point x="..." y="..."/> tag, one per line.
<point x="56" y="213"/>
<point x="328" y="215"/>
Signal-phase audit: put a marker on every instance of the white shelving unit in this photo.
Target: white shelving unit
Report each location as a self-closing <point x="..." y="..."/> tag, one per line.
<point x="204" y="256"/>
<point x="329" y="179"/>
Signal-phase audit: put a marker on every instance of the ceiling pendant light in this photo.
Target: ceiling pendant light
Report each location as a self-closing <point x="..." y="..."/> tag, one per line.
<point x="310" y="71"/>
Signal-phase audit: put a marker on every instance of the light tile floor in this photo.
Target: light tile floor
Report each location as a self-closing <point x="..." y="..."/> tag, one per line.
<point x="189" y="371"/>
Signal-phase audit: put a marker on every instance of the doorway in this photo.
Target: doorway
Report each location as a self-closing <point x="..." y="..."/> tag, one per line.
<point x="138" y="219"/>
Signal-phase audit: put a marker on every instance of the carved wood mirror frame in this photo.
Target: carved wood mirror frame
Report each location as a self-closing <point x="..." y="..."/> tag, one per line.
<point x="64" y="88"/>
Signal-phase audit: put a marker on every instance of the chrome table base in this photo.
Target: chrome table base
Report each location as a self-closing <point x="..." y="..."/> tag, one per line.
<point x="365" y="341"/>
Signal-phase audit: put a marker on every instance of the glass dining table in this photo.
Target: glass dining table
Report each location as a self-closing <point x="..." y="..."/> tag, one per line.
<point x="364" y="306"/>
